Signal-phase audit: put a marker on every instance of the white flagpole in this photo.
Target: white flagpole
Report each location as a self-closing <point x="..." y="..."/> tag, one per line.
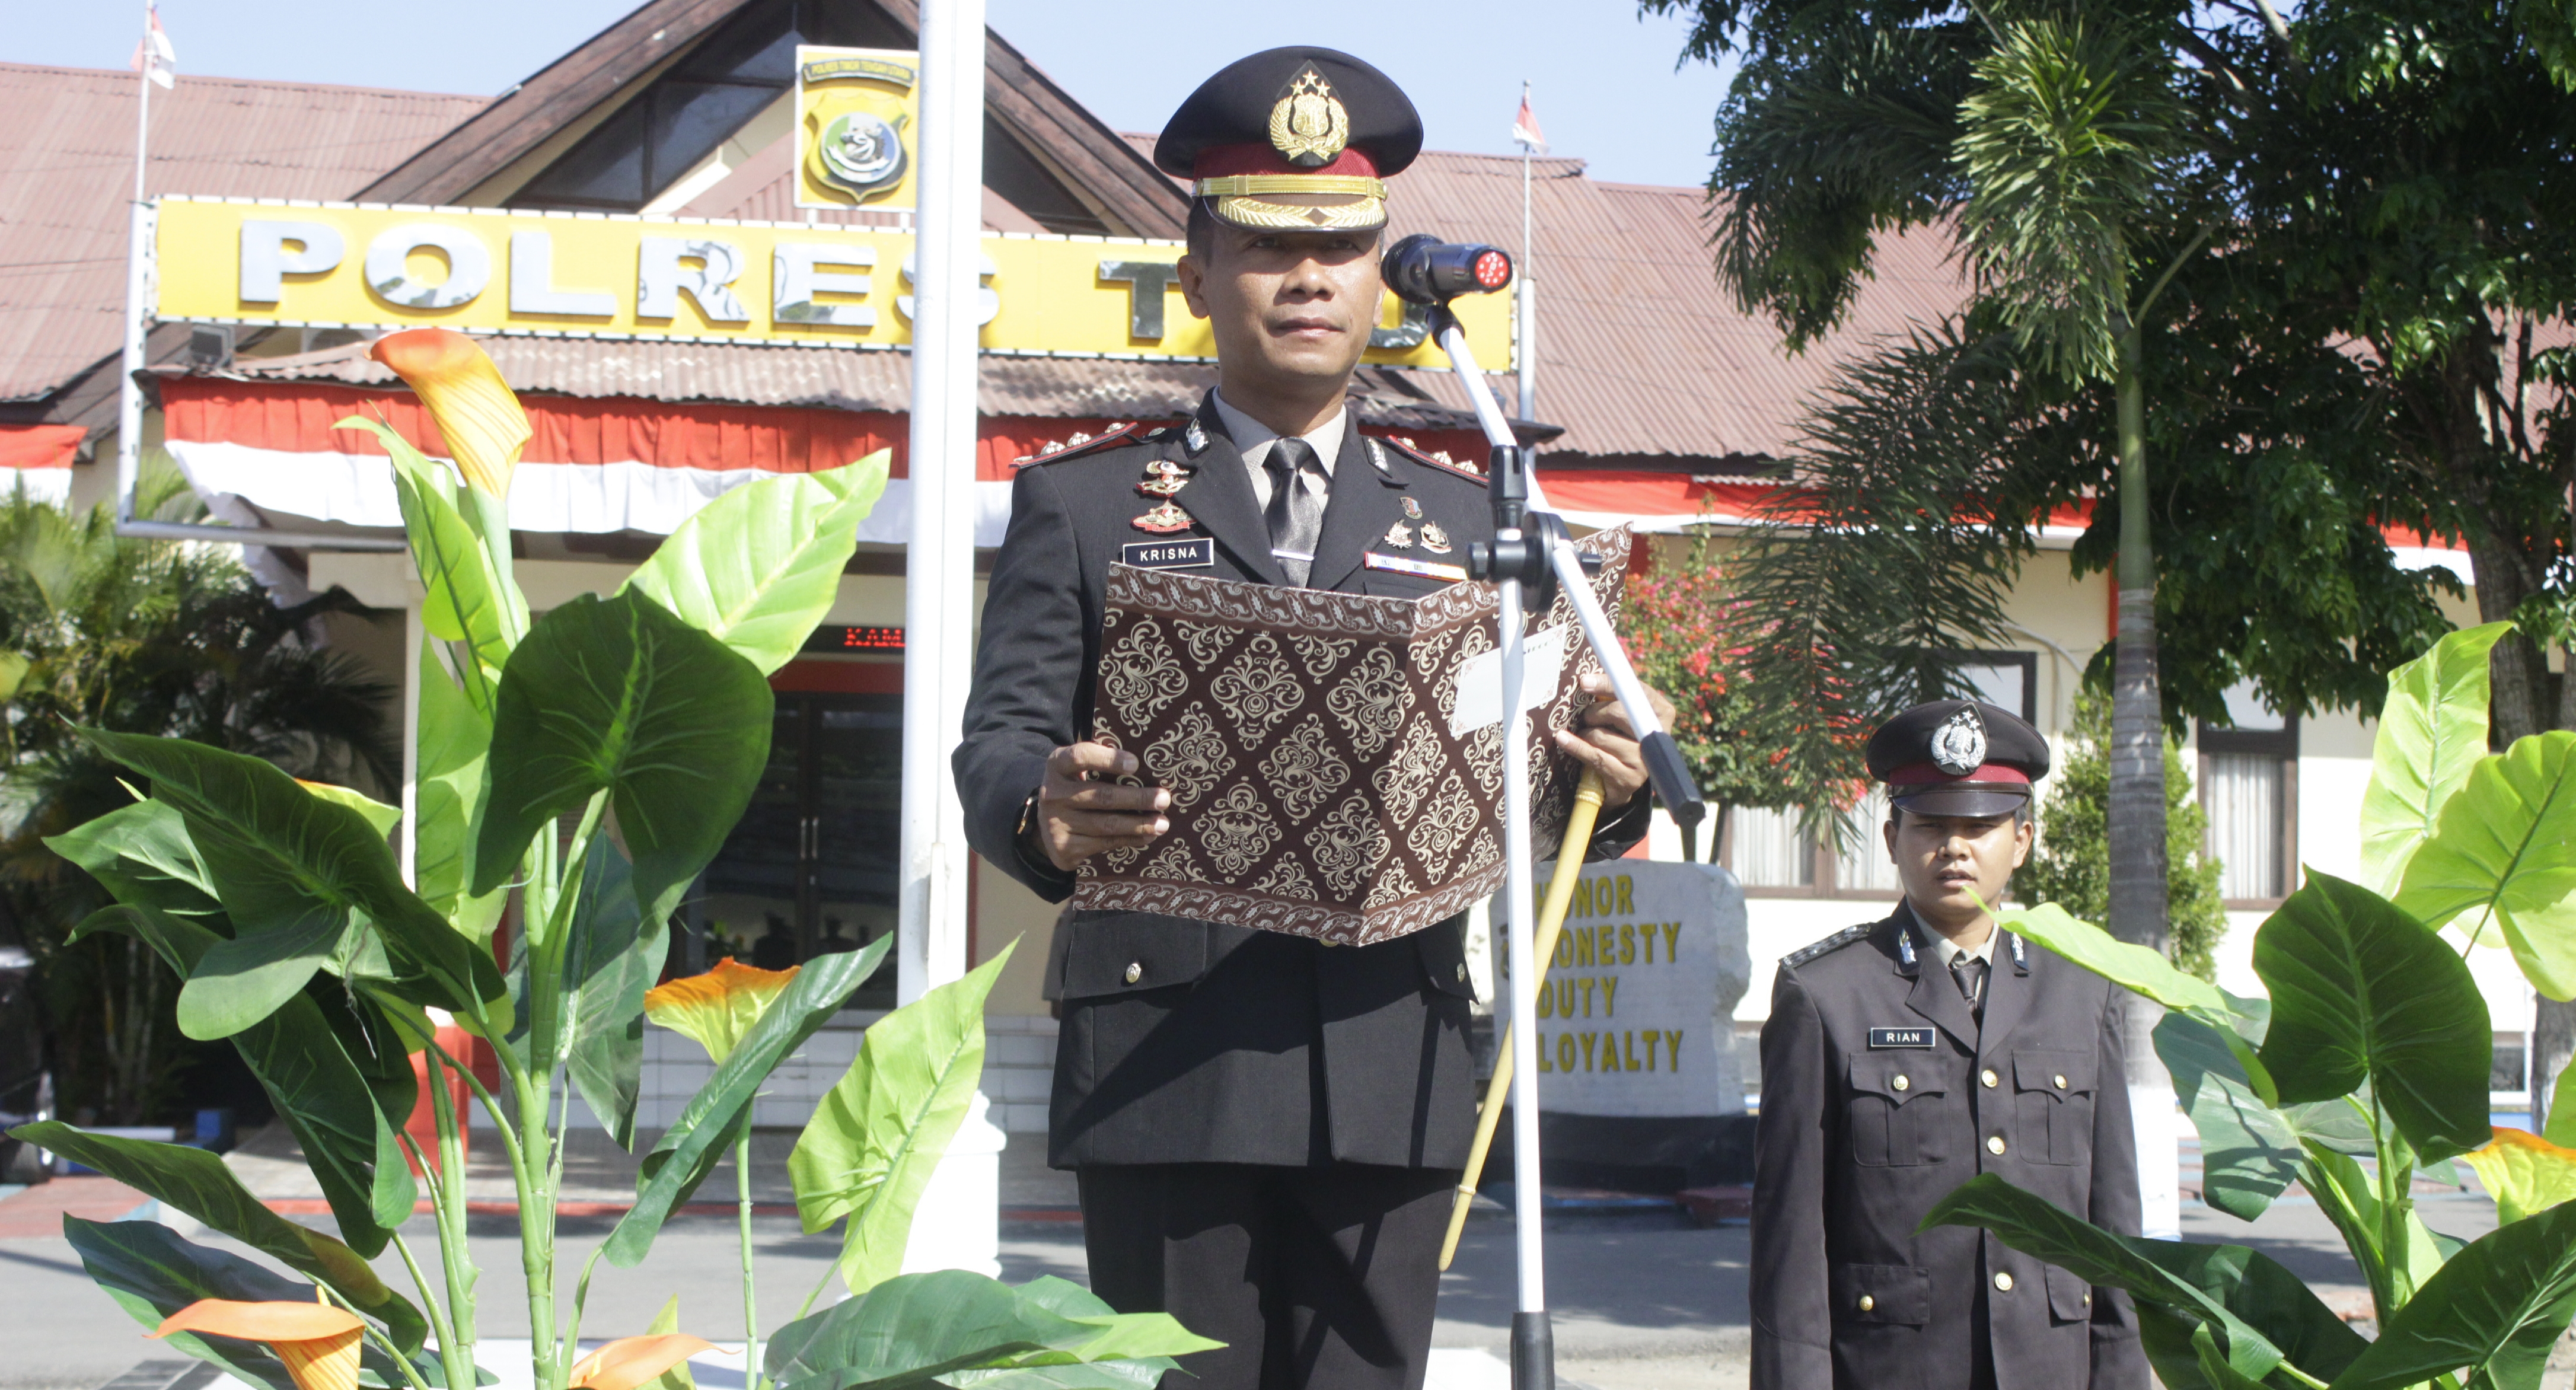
<point x="129" y="392"/>
<point x="1528" y="305"/>
<point x="955" y="1225"/>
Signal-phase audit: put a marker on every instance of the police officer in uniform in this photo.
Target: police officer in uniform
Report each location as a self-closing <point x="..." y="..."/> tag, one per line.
<point x="1266" y="1130"/>
<point x="1902" y="1058"/>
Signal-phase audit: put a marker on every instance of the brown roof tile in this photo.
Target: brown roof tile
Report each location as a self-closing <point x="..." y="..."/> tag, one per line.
<point x="67" y="172"/>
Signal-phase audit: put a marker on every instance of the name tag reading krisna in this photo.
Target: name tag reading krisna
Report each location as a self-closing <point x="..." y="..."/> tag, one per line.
<point x="1899" y="1037"/>
<point x="1198" y="552"/>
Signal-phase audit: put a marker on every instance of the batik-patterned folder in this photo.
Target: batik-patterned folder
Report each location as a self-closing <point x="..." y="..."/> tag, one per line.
<point x="1335" y="761"/>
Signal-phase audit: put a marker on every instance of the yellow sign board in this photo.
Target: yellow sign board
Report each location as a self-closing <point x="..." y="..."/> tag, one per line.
<point x="858" y="113"/>
<point x="589" y="275"/>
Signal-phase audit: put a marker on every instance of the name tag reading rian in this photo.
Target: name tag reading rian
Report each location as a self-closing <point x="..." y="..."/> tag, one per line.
<point x="1899" y="1037"/>
<point x="1196" y="553"/>
<point x="1427" y="569"/>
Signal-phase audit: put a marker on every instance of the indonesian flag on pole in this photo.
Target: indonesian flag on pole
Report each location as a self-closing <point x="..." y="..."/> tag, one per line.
<point x="153" y="56"/>
<point x="1525" y="129"/>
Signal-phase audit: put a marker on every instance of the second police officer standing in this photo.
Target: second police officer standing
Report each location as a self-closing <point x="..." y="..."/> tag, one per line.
<point x="1904" y="1057"/>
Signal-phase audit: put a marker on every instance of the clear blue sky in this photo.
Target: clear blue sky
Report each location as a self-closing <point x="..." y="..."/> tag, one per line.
<point x="1606" y="87"/>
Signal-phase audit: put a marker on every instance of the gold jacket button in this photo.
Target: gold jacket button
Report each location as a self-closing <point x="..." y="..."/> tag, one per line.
<point x="1462" y="972"/>
<point x="2088" y="1298"/>
<point x="1994" y="1143"/>
<point x="2058" y="1081"/>
<point x="1867" y="1303"/>
<point x="1989" y="1078"/>
<point x="1136" y="971"/>
<point x="2003" y="1281"/>
<point x="1900" y="1083"/>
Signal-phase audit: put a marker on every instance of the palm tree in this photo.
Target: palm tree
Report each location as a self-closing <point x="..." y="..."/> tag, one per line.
<point x="156" y="637"/>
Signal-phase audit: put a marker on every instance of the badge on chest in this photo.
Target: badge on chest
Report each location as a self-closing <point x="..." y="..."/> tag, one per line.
<point x="1882" y="1038"/>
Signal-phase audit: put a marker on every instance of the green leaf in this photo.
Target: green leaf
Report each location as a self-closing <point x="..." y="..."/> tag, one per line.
<point x="454" y="739"/>
<point x="2249" y="1151"/>
<point x="758" y="567"/>
<point x="915" y="1327"/>
<point x="679" y="1376"/>
<point x="2496" y="1308"/>
<point x="197" y="1182"/>
<point x="2509" y="840"/>
<point x="2236" y="1021"/>
<point x="376" y="813"/>
<point x="609" y="962"/>
<point x="143" y="855"/>
<point x="875" y="1140"/>
<point x="277" y="853"/>
<point x="2562" y="1121"/>
<point x="467" y="600"/>
<point x="151" y="1273"/>
<point x="2361" y="990"/>
<point x="243" y="980"/>
<point x="617" y="695"/>
<point x="2349" y="1196"/>
<point x="721" y="1110"/>
<point x="336" y="1073"/>
<point x="2259" y="1308"/>
<point x="2523" y="1173"/>
<point x="2432" y="730"/>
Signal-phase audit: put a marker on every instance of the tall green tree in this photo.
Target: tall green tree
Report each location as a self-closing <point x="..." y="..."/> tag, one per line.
<point x="2369" y="338"/>
<point x="154" y="637"/>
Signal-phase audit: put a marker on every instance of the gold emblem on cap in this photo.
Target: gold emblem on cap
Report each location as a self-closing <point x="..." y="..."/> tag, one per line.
<point x="1309" y="126"/>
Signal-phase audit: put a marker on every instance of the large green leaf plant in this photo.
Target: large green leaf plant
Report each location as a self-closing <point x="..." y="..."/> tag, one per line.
<point x="588" y="761"/>
<point x="2367" y="1063"/>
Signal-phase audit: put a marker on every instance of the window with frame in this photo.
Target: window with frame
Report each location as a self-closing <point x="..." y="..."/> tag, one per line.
<point x="1771" y="856"/>
<point x="2249" y="785"/>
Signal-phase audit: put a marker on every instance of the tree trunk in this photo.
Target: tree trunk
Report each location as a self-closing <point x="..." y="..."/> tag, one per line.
<point x="2137" y="794"/>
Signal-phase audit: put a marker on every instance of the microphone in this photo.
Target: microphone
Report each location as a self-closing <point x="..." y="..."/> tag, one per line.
<point x="1424" y="269"/>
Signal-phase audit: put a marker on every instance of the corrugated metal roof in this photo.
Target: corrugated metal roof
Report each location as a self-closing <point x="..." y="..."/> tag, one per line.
<point x="67" y="172"/>
<point x="1640" y="351"/>
<point x="842" y="379"/>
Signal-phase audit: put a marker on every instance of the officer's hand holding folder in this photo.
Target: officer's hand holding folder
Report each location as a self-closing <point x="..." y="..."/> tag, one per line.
<point x="1334" y="760"/>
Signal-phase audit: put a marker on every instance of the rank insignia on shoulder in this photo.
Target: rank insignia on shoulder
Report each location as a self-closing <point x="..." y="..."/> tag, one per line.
<point x="1081" y="442"/>
<point x="1398" y="537"/>
<point x="1163" y="519"/>
<point x="1828" y="946"/>
<point x="1420" y="569"/>
<point x="1434" y="539"/>
<point x="1899" y="1037"/>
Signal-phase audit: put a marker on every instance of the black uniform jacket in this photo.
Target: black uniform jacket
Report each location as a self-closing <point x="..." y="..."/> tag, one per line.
<point x="1186" y="1041"/>
<point x="1862" y="1129"/>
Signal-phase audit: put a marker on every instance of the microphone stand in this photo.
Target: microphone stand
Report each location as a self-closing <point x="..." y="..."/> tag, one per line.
<point x="1530" y="557"/>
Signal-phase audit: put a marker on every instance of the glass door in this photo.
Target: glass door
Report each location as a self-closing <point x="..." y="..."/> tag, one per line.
<point x="811" y="866"/>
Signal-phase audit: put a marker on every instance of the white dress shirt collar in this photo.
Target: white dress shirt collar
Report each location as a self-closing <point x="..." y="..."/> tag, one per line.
<point x="1253" y="439"/>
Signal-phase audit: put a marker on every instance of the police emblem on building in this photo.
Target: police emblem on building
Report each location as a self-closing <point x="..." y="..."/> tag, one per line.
<point x="856" y="115"/>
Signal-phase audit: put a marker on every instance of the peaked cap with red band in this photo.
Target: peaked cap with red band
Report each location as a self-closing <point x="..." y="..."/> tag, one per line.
<point x="1958" y="758"/>
<point x="1293" y="139"/>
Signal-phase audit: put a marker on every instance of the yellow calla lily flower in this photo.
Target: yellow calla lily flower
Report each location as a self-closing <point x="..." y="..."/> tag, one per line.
<point x="628" y="1362"/>
<point x="718" y="1007"/>
<point x="477" y="414"/>
<point x="318" y="1342"/>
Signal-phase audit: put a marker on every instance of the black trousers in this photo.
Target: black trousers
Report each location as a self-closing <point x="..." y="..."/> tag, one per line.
<point x="1313" y="1277"/>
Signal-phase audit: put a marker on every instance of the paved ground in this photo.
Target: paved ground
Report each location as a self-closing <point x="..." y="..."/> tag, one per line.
<point x="1643" y="1301"/>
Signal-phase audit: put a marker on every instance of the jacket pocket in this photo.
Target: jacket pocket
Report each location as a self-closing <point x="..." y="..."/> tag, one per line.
<point x="1122" y="953"/>
<point x="1882" y="1293"/>
<point x="2053" y="1104"/>
<point x="1894" y="1111"/>
<point x="2070" y="1299"/>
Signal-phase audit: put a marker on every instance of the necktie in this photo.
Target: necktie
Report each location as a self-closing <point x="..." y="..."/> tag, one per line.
<point x="1971" y="975"/>
<point x="1295" y="514"/>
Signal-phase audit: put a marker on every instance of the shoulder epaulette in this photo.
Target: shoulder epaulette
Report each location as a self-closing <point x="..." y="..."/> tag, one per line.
<point x="1826" y="947"/>
<point x="1428" y="459"/>
<point x="1078" y="443"/>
